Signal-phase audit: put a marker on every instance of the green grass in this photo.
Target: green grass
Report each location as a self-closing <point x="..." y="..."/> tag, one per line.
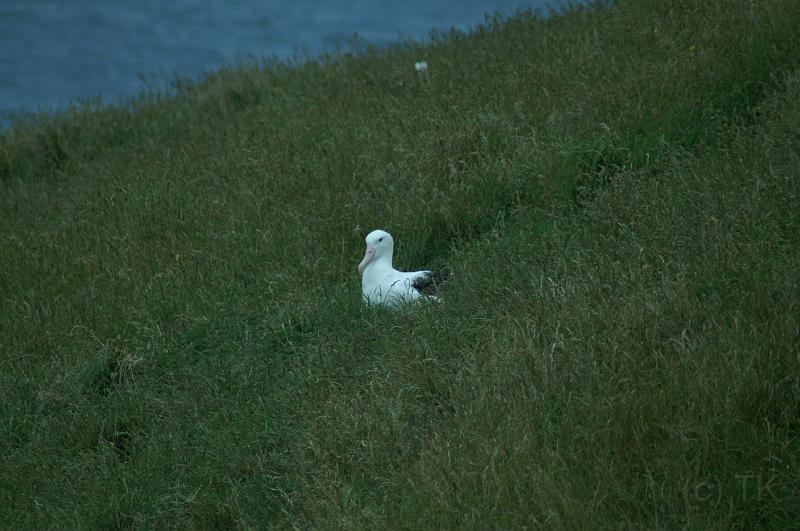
<point x="616" y="190"/>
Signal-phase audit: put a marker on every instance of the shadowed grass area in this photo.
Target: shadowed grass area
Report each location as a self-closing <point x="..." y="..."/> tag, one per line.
<point x="615" y="189"/>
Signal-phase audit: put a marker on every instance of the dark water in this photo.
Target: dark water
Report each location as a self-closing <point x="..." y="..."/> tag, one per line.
<point x="53" y="52"/>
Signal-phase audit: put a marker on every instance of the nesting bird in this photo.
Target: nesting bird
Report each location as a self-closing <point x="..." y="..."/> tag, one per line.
<point x="383" y="285"/>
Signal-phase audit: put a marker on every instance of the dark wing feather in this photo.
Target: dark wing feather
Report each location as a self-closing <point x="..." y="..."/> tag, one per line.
<point x="428" y="283"/>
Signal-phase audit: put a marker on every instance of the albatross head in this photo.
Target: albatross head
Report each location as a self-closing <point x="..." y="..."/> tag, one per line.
<point x="380" y="246"/>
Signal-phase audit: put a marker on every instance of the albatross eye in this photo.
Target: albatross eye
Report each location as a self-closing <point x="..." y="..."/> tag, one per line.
<point x="380" y="239"/>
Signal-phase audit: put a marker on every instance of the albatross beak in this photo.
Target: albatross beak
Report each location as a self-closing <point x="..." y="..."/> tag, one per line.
<point x="367" y="259"/>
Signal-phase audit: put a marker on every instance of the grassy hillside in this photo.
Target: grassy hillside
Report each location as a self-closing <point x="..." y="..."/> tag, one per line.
<point x="182" y="342"/>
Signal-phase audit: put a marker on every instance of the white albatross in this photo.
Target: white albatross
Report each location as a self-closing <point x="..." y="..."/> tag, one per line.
<point x="383" y="285"/>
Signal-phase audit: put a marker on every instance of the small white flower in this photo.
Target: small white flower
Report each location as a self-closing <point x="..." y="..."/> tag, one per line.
<point x="421" y="66"/>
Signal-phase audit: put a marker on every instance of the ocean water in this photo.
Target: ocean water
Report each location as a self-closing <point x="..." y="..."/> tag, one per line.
<point x="55" y="52"/>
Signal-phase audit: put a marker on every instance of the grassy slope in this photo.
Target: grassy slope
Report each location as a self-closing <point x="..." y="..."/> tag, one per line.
<point x="181" y="338"/>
